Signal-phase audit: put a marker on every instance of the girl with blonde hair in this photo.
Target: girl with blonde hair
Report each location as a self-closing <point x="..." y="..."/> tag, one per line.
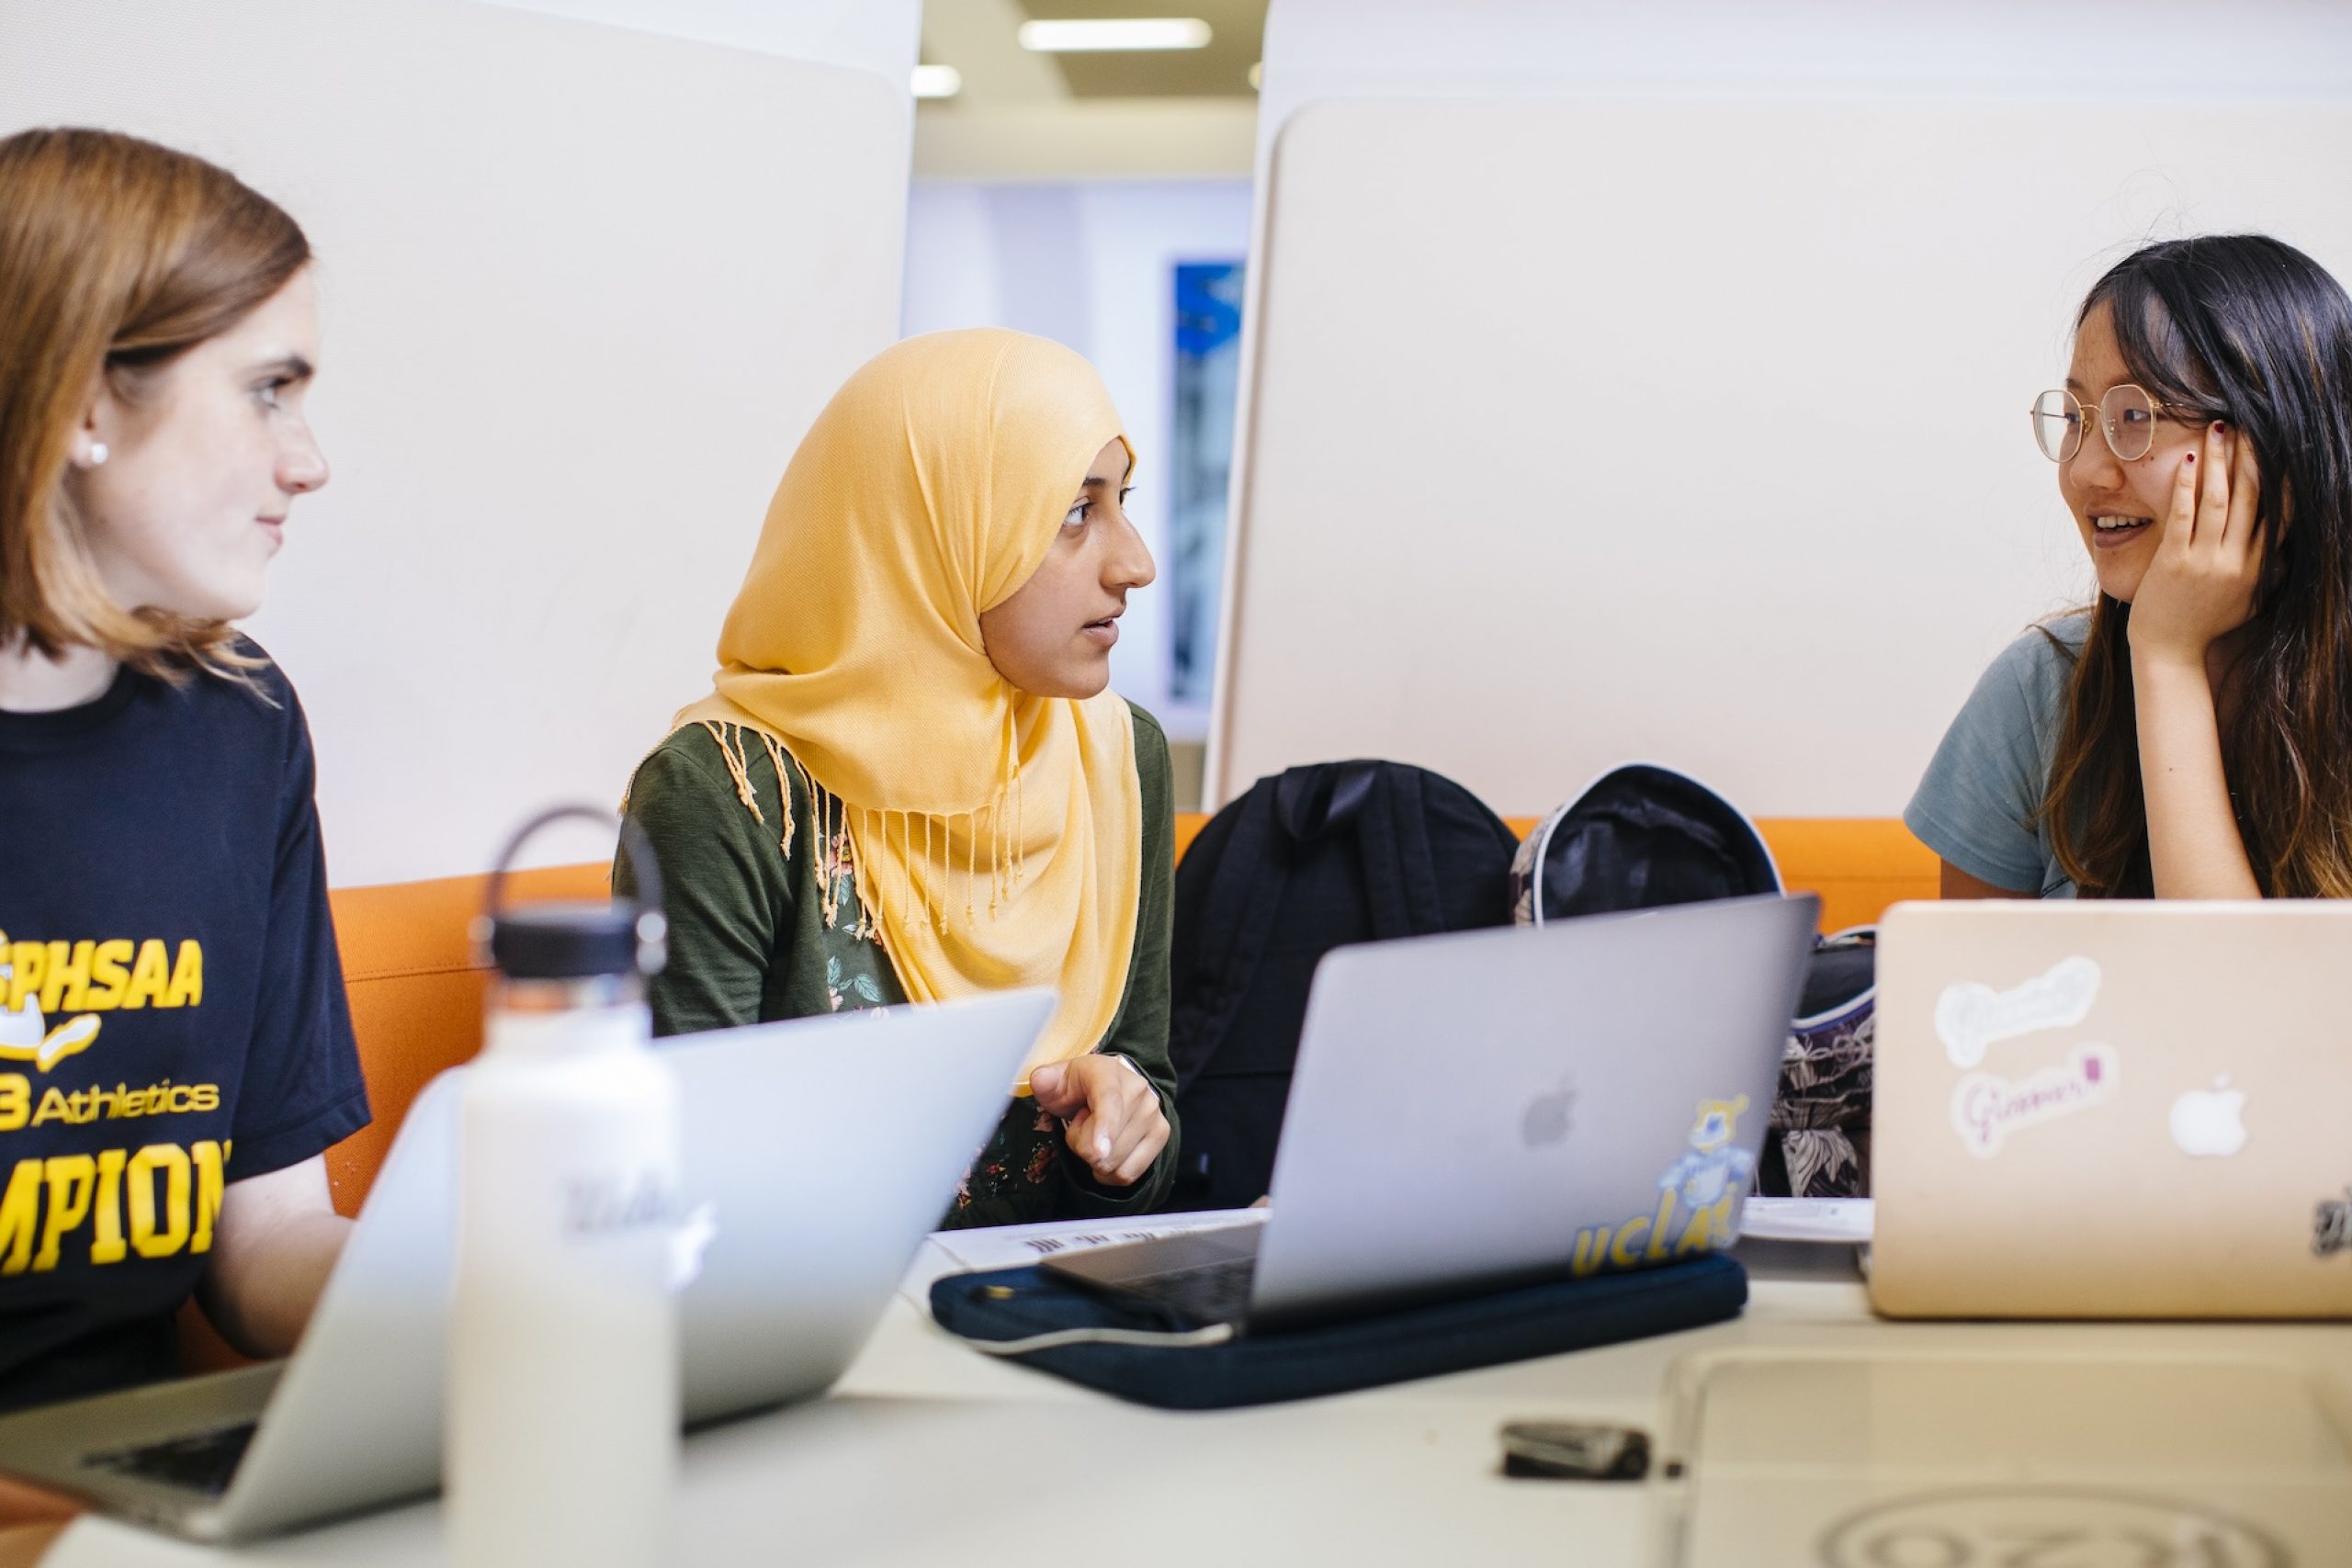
<point x="175" y="1053"/>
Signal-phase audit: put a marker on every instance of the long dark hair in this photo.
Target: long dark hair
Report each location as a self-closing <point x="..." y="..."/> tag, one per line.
<point x="2242" y="328"/>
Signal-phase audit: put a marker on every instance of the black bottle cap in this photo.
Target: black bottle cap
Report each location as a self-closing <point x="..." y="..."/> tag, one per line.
<point x="573" y="939"/>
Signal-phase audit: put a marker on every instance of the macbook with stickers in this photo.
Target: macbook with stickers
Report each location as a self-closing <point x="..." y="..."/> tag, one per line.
<point x="1491" y="1108"/>
<point x="2113" y="1110"/>
<point x="791" y="1265"/>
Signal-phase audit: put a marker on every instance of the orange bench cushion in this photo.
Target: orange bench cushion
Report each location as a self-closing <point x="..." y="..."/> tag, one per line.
<point x="1859" y="865"/>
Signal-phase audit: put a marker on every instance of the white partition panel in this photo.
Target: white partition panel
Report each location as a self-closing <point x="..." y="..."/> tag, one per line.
<point x="1685" y="427"/>
<point x="584" y="287"/>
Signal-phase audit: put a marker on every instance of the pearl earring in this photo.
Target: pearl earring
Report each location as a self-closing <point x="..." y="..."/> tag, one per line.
<point x="99" y="453"/>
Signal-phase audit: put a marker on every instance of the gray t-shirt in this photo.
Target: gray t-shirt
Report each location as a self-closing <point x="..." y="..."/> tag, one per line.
<point x="1977" y="806"/>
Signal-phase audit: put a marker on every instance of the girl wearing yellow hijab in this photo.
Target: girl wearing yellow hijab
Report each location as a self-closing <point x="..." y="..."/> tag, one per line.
<point x="909" y="780"/>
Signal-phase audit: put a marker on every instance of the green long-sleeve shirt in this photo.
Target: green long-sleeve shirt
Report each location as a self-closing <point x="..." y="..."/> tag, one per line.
<point x="752" y="939"/>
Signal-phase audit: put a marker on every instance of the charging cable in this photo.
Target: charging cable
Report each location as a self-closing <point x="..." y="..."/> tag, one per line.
<point x="1147" y="1338"/>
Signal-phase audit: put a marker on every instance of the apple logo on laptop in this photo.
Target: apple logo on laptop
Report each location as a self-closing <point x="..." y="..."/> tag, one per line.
<point x="1547" y="1120"/>
<point x="2206" y="1122"/>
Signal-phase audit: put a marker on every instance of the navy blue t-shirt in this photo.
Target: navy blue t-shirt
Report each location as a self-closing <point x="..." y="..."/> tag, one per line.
<point x="172" y="1015"/>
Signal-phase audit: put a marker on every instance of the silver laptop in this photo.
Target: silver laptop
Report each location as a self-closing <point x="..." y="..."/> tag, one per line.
<point x="1475" y="1111"/>
<point x="796" y="1268"/>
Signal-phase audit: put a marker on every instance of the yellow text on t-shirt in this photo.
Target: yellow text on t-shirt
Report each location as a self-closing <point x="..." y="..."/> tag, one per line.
<point x="101" y="976"/>
<point x="154" y="1201"/>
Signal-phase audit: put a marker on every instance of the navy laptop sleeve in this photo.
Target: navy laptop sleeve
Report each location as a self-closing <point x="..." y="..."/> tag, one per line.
<point x="1266" y="1367"/>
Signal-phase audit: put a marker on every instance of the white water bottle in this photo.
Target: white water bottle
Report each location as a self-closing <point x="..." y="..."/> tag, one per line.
<point x="563" y="1404"/>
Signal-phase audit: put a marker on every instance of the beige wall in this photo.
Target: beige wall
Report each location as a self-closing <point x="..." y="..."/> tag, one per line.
<point x="584" y="287"/>
<point x="1619" y="395"/>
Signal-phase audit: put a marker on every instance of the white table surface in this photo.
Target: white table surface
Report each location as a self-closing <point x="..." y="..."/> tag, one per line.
<point x="927" y="1453"/>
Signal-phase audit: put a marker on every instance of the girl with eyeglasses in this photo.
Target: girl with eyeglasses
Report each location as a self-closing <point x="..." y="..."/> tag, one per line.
<point x="2187" y="735"/>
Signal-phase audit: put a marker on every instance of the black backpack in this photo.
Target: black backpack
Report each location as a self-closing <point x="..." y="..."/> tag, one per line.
<point x="1308" y="860"/>
<point x="1642" y="836"/>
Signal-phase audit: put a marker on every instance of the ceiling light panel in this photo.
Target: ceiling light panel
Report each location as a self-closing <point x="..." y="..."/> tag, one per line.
<point x="1108" y="35"/>
<point x="937" y="81"/>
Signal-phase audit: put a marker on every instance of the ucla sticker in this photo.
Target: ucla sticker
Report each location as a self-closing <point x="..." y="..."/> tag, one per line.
<point x="1694" y="1204"/>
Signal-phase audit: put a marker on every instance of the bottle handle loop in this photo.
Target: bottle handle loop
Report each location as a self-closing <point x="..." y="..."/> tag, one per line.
<point x="651" y="927"/>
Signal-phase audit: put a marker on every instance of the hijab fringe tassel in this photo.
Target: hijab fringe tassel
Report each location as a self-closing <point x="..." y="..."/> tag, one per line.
<point x="1007" y="869"/>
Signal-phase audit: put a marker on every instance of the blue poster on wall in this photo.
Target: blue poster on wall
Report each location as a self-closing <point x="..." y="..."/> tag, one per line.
<point x="1208" y="370"/>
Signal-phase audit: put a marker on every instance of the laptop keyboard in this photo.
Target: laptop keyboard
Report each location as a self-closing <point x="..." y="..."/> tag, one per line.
<point x="1203" y="1275"/>
<point x="202" y="1461"/>
<point x="1209" y="1293"/>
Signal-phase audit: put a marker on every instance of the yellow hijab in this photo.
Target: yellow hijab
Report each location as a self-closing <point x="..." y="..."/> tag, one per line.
<point x="997" y="836"/>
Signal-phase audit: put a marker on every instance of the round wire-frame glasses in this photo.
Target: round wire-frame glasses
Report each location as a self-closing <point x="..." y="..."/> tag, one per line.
<point x="2127" y="419"/>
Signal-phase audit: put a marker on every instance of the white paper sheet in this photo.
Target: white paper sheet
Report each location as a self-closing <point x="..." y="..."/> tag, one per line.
<point x="1836" y="1220"/>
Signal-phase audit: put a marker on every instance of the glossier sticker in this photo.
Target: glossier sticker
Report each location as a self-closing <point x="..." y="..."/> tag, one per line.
<point x="1986" y="1107"/>
<point x="1970" y="1015"/>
